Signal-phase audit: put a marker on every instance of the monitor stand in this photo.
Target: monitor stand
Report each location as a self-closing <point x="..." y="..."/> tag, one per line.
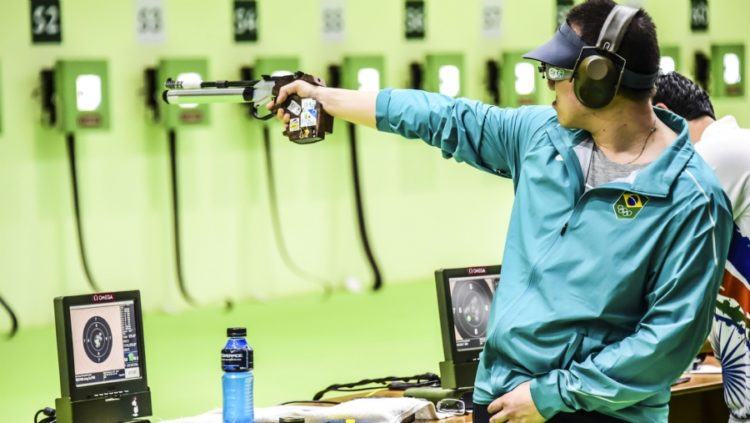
<point x="458" y="375"/>
<point x="111" y="409"/>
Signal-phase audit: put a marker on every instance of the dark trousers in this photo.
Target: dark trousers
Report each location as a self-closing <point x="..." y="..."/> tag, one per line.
<point x="480" y="415"/>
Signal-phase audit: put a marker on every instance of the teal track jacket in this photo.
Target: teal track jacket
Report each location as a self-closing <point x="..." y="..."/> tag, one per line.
<point x="605" y="296"/>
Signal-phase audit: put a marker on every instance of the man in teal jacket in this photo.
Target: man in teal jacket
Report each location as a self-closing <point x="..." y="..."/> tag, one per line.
<point x="618" y="235"/>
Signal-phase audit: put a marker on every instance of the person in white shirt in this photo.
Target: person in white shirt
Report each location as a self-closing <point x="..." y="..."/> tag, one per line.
<point x="726" y="148"/>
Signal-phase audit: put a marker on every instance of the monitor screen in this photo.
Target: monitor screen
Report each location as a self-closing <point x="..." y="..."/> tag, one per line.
<point x="105" y="343"/>
<point x="471" y="300"/>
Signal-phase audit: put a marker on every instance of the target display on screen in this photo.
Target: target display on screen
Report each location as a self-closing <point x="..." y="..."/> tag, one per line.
<point x="97" y="339"/>
<point x="471" y="300"/>
<point x="105" y="343"/>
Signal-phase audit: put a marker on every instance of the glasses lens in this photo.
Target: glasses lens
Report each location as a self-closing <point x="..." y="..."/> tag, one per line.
<point x="557" y="74"/>
<point x="452" y="406"/>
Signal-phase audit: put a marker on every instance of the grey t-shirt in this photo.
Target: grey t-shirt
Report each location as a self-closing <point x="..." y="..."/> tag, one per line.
<point x="599" y="170"/>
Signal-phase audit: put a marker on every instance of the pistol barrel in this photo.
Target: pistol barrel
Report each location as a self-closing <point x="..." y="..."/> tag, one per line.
<point x="208" y="95"/>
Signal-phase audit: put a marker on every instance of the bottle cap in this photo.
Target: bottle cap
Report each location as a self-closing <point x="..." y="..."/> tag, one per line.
<point x="236" y="332"/>
<point x="291" y="420"/>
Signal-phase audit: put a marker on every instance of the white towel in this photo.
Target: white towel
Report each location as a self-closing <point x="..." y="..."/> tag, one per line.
<point x="364" y="410"/>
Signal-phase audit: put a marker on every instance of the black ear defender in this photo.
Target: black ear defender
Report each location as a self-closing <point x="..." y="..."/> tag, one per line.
<point x="599" y="70"/>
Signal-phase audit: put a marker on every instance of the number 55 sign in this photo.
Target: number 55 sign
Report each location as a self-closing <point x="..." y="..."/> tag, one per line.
<point x="46" y="24"/>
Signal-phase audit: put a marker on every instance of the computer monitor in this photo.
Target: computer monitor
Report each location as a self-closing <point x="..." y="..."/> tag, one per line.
<point x="464" y="303"/>
<point x="102" y="358"/>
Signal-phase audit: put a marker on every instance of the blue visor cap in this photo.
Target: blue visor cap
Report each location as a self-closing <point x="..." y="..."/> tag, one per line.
<point x="565" y="47"/>
<point x="561" y="51"/>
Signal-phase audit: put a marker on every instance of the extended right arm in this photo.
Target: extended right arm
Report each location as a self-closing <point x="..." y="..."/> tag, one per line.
<point x="484" y="136"/>
<point x="350" y="105"/>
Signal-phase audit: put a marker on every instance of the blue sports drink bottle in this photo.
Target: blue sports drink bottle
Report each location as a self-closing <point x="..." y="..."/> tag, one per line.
<point x="237" y="382"/>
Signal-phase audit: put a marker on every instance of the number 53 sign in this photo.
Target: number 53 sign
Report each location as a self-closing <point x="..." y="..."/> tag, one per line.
<point x="149" y="21"/>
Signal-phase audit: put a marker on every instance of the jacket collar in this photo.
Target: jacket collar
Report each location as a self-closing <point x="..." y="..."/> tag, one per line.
<point x="654" y="180"/>
<point x="657" y="178"/>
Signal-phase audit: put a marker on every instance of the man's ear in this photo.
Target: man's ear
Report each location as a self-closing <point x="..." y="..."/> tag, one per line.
<point x="661" y="106"/>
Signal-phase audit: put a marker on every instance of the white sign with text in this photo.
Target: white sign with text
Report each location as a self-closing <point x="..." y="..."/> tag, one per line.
<point x="149" y="21"/>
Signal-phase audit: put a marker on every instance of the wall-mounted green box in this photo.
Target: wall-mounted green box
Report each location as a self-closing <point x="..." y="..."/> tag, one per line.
<point x="272" y="65"/>
<point x="520" y="81"/>
<point x="363" y="73"/>
<point x="444" y="74"/>
<point x="82" y="94"/>
<point x="728" y="70"/>
<point x="183" y="114"/>
<point x="670" y="59"/>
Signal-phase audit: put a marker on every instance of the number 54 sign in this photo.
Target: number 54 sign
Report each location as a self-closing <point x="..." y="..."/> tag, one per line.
<point x="245" y="20"/>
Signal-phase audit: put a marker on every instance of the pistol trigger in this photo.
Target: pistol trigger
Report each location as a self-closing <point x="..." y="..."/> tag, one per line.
<point x="259" y="117"/>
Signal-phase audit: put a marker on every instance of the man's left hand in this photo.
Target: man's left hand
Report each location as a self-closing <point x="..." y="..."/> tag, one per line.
<point x="516" y="406"/>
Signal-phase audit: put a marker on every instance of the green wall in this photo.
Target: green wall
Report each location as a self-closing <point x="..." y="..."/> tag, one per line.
<point x="424" y="212"/>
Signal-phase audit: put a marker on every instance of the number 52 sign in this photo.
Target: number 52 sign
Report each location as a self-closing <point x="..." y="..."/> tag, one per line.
<point x="46" y="24"/>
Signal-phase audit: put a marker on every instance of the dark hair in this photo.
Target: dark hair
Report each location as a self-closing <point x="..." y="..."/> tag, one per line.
<point x="639" y="46"/>
<point x="683" y="96"/>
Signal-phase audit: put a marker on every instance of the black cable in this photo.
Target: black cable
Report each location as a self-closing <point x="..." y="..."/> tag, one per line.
<point x="310" y="402"/>
<point x="13" y="319"/>
<point x="361" y="224"/>
<point x="172" y="135"/>
<point x="71" y="143"/>
<point x="176" y="217"/>
<point x="365" y="388"/>
<point x="424" y="379"/>
<point x="273" y="201"/>
<point x="50" y="414"/>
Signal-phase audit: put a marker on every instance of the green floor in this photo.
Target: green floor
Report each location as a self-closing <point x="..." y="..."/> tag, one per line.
<point x="301" y="344"/>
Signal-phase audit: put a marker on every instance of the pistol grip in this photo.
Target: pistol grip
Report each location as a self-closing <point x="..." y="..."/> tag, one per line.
<point x="308" y="122"/>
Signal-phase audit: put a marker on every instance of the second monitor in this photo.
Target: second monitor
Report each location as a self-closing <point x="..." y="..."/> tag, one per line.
<point x="464" y="301"/>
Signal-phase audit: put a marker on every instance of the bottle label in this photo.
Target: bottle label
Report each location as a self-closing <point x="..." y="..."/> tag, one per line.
<point x="235" y="359"/>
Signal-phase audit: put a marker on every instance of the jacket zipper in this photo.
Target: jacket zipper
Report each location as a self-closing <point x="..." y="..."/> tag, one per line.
<point x="574" y="211"/>
<point x="530" y="280"/>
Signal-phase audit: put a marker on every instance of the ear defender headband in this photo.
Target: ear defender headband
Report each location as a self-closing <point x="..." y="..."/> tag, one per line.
<point x="599" y="71"/>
